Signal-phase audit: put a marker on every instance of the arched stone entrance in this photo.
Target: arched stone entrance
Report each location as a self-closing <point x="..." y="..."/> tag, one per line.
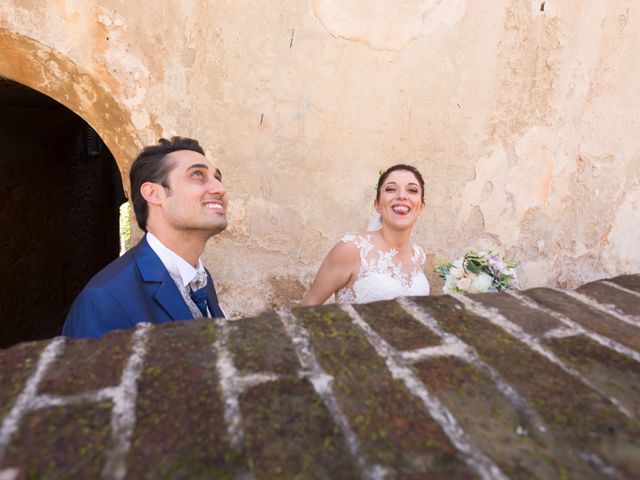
<point x="46" y="70"/>
<point x="60" y="190"/>
<point x="64" y="142"/>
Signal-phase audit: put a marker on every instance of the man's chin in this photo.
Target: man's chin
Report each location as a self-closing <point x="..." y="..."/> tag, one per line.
<point x="217" y="227"/>
<point x="205" y="229"/>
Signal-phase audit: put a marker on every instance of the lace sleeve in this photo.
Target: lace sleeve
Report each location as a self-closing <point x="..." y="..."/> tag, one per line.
<point x="363" y="244"/>
<point x="349" y="238"/>
<point x="419" y="257"/>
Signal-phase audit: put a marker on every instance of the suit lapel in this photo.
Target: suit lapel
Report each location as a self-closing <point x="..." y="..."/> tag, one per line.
<point x="171" y="301"/>
<point x="159" y="282"/>
<point x="212" y="299"/>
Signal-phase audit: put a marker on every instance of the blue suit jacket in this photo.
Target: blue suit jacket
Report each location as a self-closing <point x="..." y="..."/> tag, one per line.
<point x="134" y="288"/>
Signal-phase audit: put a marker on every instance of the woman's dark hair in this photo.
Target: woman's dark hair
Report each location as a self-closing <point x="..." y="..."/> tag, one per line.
<point x="400" y="166"/>
<point x="151" y="165"/>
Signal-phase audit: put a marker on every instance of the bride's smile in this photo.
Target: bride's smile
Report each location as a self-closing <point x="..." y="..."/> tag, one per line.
<point x="401" y="209"/>
<point x="400" y="200"/>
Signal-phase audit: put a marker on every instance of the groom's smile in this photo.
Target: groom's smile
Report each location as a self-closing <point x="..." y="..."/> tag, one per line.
<point x="215" y="204"/>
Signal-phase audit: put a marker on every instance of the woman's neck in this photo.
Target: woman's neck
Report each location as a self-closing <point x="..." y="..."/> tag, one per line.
<point x="398" y="239"/>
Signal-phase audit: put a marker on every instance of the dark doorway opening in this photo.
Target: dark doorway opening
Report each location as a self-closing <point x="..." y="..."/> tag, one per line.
<point x="60" y="191"/>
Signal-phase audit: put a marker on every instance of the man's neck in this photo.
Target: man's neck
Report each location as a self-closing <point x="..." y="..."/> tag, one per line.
<point x="185" y="244"/>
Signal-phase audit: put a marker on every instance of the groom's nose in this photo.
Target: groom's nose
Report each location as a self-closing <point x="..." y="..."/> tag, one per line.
<point x="215" y="186"/>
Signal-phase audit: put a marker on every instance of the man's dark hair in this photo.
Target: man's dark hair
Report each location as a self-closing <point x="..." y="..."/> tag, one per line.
<point x="400" y="166"/>
<point x="151" y="165"/>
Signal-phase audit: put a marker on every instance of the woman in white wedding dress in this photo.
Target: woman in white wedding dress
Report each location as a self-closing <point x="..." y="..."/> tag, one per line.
<point x="383" y="263"/>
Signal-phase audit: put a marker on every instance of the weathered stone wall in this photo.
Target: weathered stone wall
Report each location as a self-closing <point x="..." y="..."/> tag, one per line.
<point x="58" y="213"/>
<point x="522" y="114"/>
<point x="532" y="384"/>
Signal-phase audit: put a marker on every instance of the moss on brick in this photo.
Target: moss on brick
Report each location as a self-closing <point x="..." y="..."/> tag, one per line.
<point x="180" y="431"/>
<point x="614" y="373"/>
<point x="589" y="318"/>
<point x="495" y="426"/>
<point x="62" y="442"/>
<point x="88" y="365"/>
<point x="531" y="321"/>
<point x="631" y="282"/>
<point x="16" y="365"/>
<point x="392" y="424"/>
<point x="290" y="433"/>
<point x="261" y="344"/>
<point x="608" y="295"/>
<point x="575" y="413"/>
<point x="396" y="326"/>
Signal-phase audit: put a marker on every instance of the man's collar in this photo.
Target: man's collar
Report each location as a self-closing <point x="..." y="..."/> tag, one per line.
<point x="181" y="271"/>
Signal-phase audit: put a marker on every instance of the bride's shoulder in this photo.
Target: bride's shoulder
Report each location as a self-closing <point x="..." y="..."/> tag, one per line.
<point x="354" y="243"/>
<point x="356" y="238"/>
<point x="345" y="252"/>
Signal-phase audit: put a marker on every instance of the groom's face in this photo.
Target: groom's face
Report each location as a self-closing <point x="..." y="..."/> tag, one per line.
<point x="196" y="198"/>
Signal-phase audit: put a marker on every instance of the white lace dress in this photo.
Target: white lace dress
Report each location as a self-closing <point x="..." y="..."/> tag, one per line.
<point x="382" y="276"/>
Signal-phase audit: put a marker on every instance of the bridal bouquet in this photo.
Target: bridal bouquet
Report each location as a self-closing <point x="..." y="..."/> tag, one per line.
<point x="477" y="272"/>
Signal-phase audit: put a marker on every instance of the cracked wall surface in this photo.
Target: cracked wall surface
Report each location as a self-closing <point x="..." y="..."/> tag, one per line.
<point x="523" y="119"/>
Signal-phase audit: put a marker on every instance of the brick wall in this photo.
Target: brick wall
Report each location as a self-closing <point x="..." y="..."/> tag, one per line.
<point x="540" y="383"/>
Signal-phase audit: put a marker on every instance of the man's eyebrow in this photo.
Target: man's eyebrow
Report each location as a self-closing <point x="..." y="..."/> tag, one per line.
<point x="198" y="165"/>
<point x="217" y="173"/>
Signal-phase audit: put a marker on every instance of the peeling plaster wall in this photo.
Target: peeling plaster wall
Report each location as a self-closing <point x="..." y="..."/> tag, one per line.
<point x="524" y="121"/>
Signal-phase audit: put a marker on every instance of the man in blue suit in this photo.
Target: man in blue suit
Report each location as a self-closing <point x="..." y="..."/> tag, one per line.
<point x="180" y="202"/>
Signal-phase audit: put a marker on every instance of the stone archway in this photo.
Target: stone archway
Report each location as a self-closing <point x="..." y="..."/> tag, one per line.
<point x="40" y="67"/>
<point x="60" y="185"/>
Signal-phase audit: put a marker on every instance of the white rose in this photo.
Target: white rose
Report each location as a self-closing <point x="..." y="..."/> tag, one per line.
<point x="457" y="264"/>
<point x="480" y="284"/>
<point x="450" y="283"/>
<point x="464" y="284"/>
<point x="456" y="272"/>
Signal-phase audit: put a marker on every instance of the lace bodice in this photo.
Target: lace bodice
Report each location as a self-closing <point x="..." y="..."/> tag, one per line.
<point x="382" y="276"/>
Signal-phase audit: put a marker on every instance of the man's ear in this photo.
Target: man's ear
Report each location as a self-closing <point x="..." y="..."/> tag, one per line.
<point x="151" y="192"/>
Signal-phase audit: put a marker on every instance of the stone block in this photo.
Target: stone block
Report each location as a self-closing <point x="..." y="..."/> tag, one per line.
<point x="534" y="384"/>
<point x="584" y="315"/>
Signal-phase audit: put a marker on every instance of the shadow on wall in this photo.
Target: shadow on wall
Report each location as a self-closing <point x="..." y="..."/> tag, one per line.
<point x="60" y="190"/>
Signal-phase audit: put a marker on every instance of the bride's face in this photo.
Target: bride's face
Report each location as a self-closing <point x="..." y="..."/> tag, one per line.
<point x="400" y="201"/>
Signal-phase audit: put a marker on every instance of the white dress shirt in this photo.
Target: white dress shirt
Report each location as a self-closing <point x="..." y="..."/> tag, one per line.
<point x="184" y="275"/>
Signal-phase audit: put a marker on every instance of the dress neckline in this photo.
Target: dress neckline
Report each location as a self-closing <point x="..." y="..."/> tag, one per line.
<point x="380" y="275"/>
